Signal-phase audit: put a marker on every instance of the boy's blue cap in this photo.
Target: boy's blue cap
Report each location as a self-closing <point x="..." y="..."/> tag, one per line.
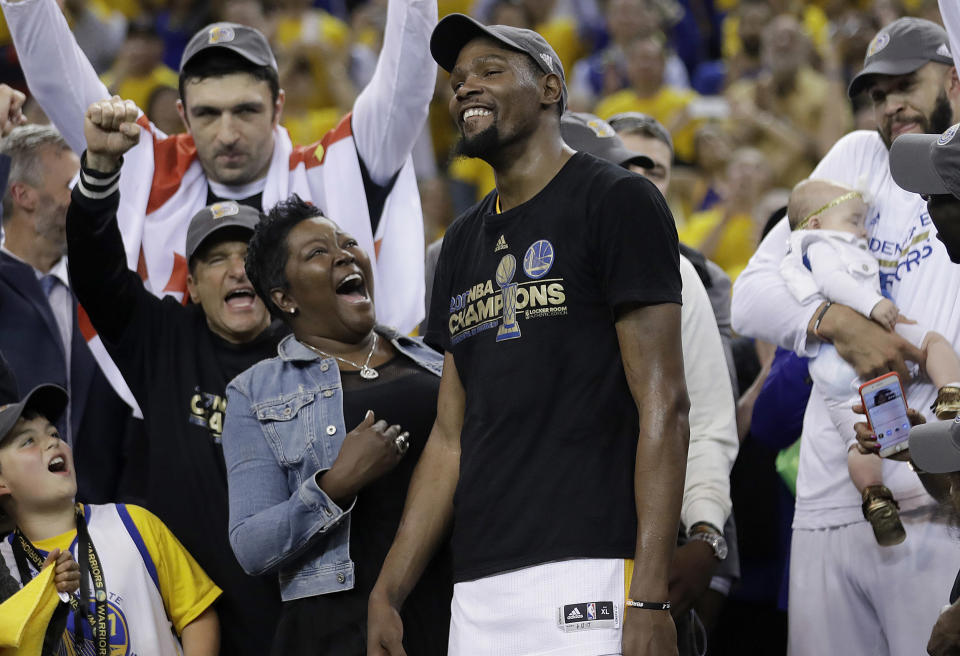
<point x="49" y="400"/>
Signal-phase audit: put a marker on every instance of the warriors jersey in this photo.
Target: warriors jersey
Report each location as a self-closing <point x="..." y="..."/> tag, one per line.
<point x="154" y="587"/>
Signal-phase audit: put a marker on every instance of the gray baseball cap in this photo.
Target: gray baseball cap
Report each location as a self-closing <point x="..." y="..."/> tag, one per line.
<point x="49" y="400"/>
<point x="927" y="163"/>
<point x="216" y="217"/>
<point x="456" y="30"/>
<point x="241" y="39"/>
<point x="935" y="446"/>
<point x="638" y="121"/>
<point x="902" y="47"/>
<point x="591" y="134"/>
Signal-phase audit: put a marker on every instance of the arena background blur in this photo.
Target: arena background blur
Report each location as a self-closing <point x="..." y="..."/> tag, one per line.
<point x="753" y="93"/>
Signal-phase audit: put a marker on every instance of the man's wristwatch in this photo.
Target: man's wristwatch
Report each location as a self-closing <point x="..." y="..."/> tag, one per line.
<point x="712" y="536"/>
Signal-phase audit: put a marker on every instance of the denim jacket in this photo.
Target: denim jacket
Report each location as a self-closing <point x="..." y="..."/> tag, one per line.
<point x="284" y="424"/>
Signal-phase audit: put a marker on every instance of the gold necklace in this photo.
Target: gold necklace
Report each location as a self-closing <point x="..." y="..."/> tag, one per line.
<point x="366" y="371"/>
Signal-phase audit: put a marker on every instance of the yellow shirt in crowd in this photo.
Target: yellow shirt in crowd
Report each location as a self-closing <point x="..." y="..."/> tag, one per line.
<point x="665" y="106"/>
<point x="140" y="88"/>
<point x="737" y="241"/>
<point x="804" y="107"/>
<point x="474" y="172"/>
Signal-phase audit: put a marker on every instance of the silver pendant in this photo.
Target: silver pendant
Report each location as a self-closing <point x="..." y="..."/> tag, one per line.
<point x="368" y="373"/>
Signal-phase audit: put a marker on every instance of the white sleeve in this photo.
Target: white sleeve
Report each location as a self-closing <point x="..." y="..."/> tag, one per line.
<point x="713" y="426"/>
<point x="390" y="111"/>
<point x="950" y="13"/>
<point x="829" y="271"/>
<point x="57" y="72"/>
<point x="763" y="306"/>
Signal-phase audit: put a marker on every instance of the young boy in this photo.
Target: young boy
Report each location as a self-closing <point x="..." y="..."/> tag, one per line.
<point x="138" y="585"/>
<point x="829" y="255"/>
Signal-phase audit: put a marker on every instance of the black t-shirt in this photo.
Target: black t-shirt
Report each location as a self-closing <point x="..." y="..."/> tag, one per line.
<point x="178" y="371"/>
<point x="525" y="301"/>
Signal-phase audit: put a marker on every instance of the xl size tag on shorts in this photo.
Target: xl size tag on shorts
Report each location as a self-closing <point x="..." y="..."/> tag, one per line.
<point x="588" y="615"/>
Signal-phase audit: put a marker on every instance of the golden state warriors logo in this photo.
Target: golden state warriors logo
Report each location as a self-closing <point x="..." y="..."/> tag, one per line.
<point x="221" y="34"/>
<point x="947" y="136"/>
<point x="508" y="290"/>
<point x="879" y="43"/>
<point x="226" y="208"/>
<point x="538" y="259"/>
<point x="505" y="298"/>
<point x="119" y="635"/>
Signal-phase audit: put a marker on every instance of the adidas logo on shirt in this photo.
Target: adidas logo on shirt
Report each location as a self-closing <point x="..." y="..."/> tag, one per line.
<point x="575" y="614"/>
<point x="501" y="245"/>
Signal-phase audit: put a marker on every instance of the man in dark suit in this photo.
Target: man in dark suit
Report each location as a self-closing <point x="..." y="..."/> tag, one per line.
<point x="40" y="334"/>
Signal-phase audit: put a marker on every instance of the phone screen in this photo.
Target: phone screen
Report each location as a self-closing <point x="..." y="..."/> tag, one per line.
<point x="887" y="412"/>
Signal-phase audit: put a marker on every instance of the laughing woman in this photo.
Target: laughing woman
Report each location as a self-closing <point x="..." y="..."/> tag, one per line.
<point x="308" y="500"/>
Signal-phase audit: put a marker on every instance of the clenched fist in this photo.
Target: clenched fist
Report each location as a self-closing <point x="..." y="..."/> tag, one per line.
<point x="111" y="130"/>
<point x="11" y="106"/>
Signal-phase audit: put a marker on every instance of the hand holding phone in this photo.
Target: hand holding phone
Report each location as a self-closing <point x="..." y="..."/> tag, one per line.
<point x="886" y="410"/>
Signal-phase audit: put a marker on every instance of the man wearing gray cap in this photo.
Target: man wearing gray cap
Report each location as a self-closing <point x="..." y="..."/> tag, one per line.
<point x="562" y="416"/>
<point x="881" y="599"/>
<point x="177" y="362"/>
<point x="360" y="173"/>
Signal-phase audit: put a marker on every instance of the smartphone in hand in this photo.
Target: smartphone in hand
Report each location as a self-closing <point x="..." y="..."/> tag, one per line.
<point x="887" y="412"/>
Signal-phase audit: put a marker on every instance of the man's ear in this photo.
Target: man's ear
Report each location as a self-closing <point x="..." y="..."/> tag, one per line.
<point x="24" y="195"/>
<point x="552" y="91"/>
<point x="182" y="111"/>
<point x="813" y="223"/>
<point x="278" y="107"/>
<point x="192" y="289"/>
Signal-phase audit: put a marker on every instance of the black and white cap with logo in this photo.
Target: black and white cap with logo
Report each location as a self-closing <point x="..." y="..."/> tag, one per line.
<point x="902" y="47"/>
<point x="456" y="30"/>
<point x="216" y="217"/>
<point x="246" y="41"/>
<point x="927" y="164"/>
<point x="591" y="134"/>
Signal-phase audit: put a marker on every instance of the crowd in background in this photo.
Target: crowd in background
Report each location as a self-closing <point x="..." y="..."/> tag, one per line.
<point x="752" y="92"/>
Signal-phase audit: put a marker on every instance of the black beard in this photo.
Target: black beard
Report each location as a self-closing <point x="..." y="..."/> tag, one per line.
<point x="484" y="144"/>
<point x="939" y="120"/>
<point x="941" y="117"/>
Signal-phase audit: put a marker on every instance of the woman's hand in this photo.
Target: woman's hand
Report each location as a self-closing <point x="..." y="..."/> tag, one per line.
<point x="369" y="451"/>
<point x="66" y="576"/>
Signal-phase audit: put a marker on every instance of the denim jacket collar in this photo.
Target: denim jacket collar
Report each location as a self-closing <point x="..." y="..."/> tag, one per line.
<point x="291" y="349"/>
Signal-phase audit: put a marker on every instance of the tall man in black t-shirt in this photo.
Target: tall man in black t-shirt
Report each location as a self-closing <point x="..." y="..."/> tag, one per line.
<point x="560" y="444"/>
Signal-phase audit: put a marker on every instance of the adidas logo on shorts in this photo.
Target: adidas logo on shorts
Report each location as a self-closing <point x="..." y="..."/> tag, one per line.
<point x="575" y="614"/>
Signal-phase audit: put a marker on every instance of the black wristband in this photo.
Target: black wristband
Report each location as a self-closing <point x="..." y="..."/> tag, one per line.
<point x="816" y="324"/>
<point x="648" y="605"/>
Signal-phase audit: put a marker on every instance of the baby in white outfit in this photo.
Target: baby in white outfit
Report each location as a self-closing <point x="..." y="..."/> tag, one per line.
<point x="829" y="232"/>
